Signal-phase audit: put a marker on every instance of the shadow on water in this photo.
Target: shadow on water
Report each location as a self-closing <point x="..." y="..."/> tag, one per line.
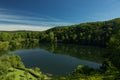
<point x="59" y="59"/>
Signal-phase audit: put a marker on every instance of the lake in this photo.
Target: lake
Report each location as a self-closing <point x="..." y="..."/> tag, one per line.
<point x="60" y="59"/>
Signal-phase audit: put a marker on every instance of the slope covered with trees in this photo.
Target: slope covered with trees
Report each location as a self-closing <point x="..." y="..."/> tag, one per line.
<point x="92" y="33"/>
<point x="104" y="33"/>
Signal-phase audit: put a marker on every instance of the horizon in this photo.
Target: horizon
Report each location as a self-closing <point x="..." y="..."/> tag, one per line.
<point x="42" y="15"/>
<point x="36" y="28"/>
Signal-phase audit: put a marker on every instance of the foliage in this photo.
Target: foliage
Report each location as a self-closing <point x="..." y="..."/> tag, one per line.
<point x="114" y="49"/>
<point x="93" y="33"/>
<point x="106" y="33"/>
<point x="12" y="68"/>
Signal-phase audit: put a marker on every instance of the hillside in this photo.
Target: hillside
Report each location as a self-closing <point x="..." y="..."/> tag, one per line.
<point x="104" y="33"/>
<point x="91" y="33"/>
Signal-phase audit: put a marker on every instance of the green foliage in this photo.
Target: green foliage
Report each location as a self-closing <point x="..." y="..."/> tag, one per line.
<point x="37" y="69"/>
<point x="114" y="49"/>
<point x="83" y="70"/>
<point x="114" y="42"/>
<point x="93" y="33"/>
<point x="11" y="68"/>
<point x="4" y="46"/>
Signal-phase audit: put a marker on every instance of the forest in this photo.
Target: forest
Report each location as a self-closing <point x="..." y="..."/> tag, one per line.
<point x="104" y="34"/>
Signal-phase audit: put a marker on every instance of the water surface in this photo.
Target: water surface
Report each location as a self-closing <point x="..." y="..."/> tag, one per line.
<point x="60" y="59"/>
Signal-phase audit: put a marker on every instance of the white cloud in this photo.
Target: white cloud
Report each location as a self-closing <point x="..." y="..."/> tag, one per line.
<point x="12" y="27"/>
<point x="13" y="16"/>
<point x="11" y="20"/>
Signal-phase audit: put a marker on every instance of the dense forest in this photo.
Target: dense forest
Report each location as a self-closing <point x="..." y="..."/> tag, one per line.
<point x="104" y="34"/>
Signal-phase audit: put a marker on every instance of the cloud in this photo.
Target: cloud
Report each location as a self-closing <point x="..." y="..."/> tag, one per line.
<point x="20" y="18"/>
<point x="29" y="21"/>
<point x="13" y="27"/>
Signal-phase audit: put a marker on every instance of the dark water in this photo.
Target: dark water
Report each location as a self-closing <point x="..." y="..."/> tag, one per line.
<point x="61" y="58"/>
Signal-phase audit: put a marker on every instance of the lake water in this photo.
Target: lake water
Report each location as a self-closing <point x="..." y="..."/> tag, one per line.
<point x="60" y="59"/>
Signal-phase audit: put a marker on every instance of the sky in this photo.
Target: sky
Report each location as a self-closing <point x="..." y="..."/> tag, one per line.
<point x="39" y="15"/>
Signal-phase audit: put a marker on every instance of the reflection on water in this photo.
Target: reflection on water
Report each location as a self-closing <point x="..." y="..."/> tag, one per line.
<point x="59" y="59"/>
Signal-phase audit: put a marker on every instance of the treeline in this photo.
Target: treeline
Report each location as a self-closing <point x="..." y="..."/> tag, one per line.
<point x="106" y="33"/>
<point x="93" y="33"/>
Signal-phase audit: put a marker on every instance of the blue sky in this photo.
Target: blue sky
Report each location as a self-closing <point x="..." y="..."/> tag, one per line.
<point x="44" y="14"/>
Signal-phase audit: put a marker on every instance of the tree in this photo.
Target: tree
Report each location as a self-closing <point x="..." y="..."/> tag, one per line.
<point x="74" y="37"/>
<point x="51" y="36"/>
